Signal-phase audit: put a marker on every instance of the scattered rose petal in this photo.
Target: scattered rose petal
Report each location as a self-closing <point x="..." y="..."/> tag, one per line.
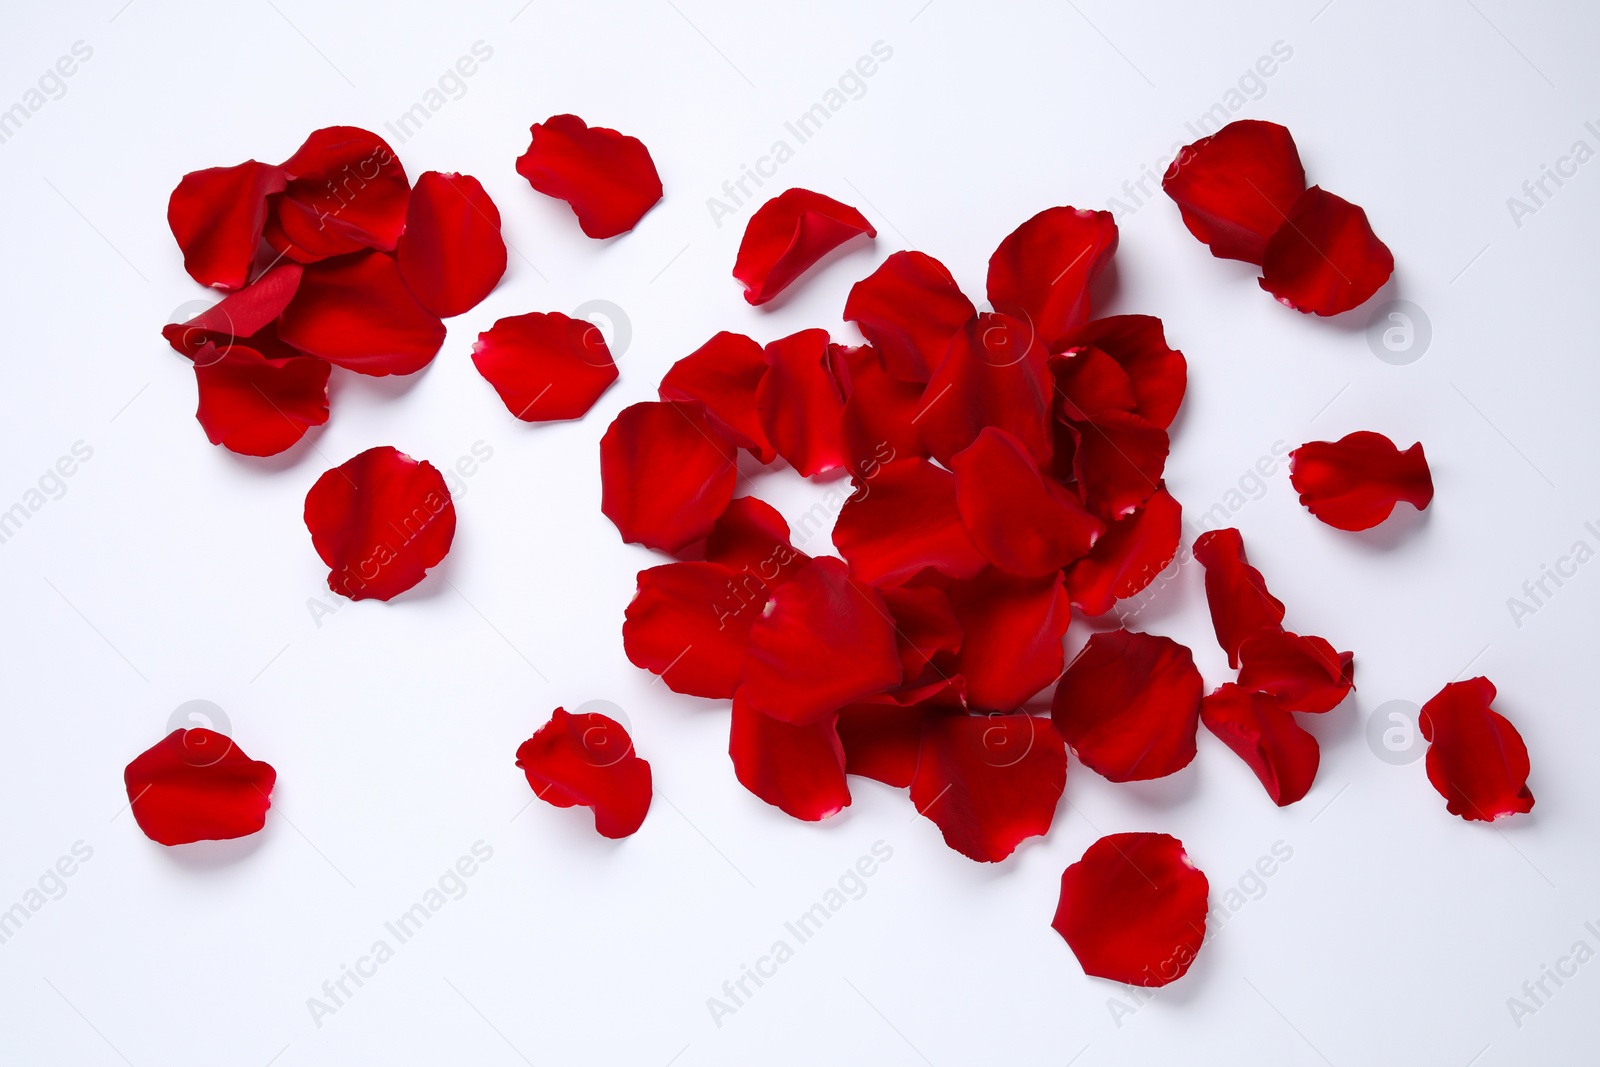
<point x="994" y="374"/>
<point x="356" y="313"/>
<point x="347" y="191"/>
<point x="451" y="254"/>
<point x="1354" y="483"/>
<point x="800" y="402"/>
<point x="1042" y="271"/>
<point x="1476" y="759"/>
<point x="989" y="781"/>
<point x="787" y="235"/>
<point x="797" y="769"/>
<point x="1128" y="556"/>
<point x="1240" y="604"/>
<point x="217" y="215"/>
<point x="546" y="367"/>
<point x="1304" y="673"/>
<point x="198" y="785"/>
<point x="1236" y="187"/>
<point x="1023" y="522"/>
<point x="608" y="178"/>
<point x="588" y="759"/>
<point x="903" y="520"/>
<point x="256" y="405"/>
<point x="1325" y="257"/>
<point x="1129" y="705"/>
<point x="724" y="374"/>
<point x="1157" y="374"/>
<point x="665" y="474"/>
<point x="1260" y="732"/>
<point x="1012" y="630"/>
<point x="909" y="309"/>
<point x="690" y="623"/>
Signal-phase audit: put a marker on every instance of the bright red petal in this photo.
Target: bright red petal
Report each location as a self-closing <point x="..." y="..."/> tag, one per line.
<point x="1012" y="632"/>
<point x="1237" y="186"/>
<point x="752" y="539"/>
<point x="902" y="520"/>
<point x="797" y="769"/>
<point x="546" y="367"/>
<point x="608" y="178"/>
<point x="994" y="374"/>
<point x="258" y="406"/>
<point x="665" y="474"/>
<point x="1240" y="604"/>
<point x="1476" y="759"/>
<point x="1022" y="521"/>
<point x="1090" y="383"/>
<point x="877" y="425"/>
<point x="925" y="627"/>
<point x="800" y="402"/>
<point x="882" y="735"/>
<point x="1118" y="462"/>
<point x="724" y="374"/>
<point x="196" y="785"/>
<point x="1260" y="732"/>
<point x="1304" y="673"/>
<point x="239" y="316"/>
<point x="989" y="781"/>
<point x="1042" y="271"/>
<point x="347" y="191"/>
<point x="1354" y="483"/>
<point x="787" y="235"/>
<point x="1128" y="556"/>
<point x="356" y="313"/>
<point x="451" y="254"/>
<point x="1129" y="705"/>
<point x="689" y="623"/>
<point x="217" y="215"/>
<point x="588" y="759"/>
<point x="909" y="309"/>
<point x="1158" y="374"/>
<point x="1325" y="257"/>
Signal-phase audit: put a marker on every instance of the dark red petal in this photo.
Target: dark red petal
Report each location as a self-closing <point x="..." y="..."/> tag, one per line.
<point x="1118" y="462"/>
<point x="1042" y="271"/>
<point x="821" y="642"/>
<point x="1090" y="383"/>
<point x="787" y="235"/>
<point x="1236" y="187"/>
<point x="1012" y="630"/>
<point x="379" y="521"/>
<point x="356" y="313"/>
<point x="989" y="781"/>
<point x="258" y="406"/>
<point x="1325" y="258"/>
<point x="925" y="626"/>
<point x="882" y="735"/>
<point x="608" y="178"/>
<point x="1133" y="909"/>
<point x="1304" y="673"/>
<point x="1240" y="604"/>
<point x="1354" y="483"/>
<point x="903" y="520"/>
<point x="216" y="216"/>
<point x="588" y="759"/>
<point x="1158" y="374"/>
<point x="347" y="191"/>
<point x="752" y="539"/>
<point x="197" y="785"/>
<point x="665" y="474"/>
<point x="797" y="769"/>
<point x="546" y="367"/>
<point x="1023" y="522"/>
<point x="689" y="623"/>
<point x="909" y="309"/>
<point x="1260" y="732"/>
<point x="1129" y="705"/>
<point x="451" y="254"/>
<point x="800" y="402"/>
<point x="1128" y="556"/>
<point x="724" y="375"/>
<point x="877" y="425"/>
<point x="1476" y="758"/>
<point x="237" y="316"/>
<point x="994" y="374"/>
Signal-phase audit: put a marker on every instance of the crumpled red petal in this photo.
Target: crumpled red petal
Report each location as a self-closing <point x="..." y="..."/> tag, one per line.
<point x="665" y="474"/>
<point x="787" y="235"/>
<point x="198" y="785"/>
<point x="1304" y="673"/>
<point x="724" y="375"/>
<point x="1236" y="187"/>
<point x="608" y="178"/>
<point x="1129" y="705"/>
<point x="1325" y="257"/>
<point x="347" y="191"/>
<point x="878" y="423"/>
<point x="1157" y="373"/>
<point x="451" y="254"/>
<point x="1128" y="556"/>
<point x="902" y="520"/>
<point x="797" y="769"/>
<point x="1133" y="909"/>
<point x="255" y="405"/>
<point x="588" y="759"/>
<point x="1260" y="732"/>
<point x="241" y="316"/>
<point x="1023" y="522"/>
<point x="753" y="539"/>
<point x="1012" y="630"/>
<point x="1476" y="758"/>
<point x="989" y="782"/>
<point x="994" y="374"/>
<point x="546" y="367"/>
<point x="356" y="313"/>
<point x="882" y="735"/>
<point x="1118" y="462"/>
<point x="217" y="215"/>
<point x="909" y="309"/>
<point x="800" y="402"/>
<point x="690" y="623"/>
<point x="1237" y="593"/>
<point x="380" y="520"/>
<point x="1042" y="271"/>
<point x="1355" y="482"/>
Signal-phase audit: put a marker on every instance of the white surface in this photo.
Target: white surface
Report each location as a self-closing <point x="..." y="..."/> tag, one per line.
<point x="171" y="570"/>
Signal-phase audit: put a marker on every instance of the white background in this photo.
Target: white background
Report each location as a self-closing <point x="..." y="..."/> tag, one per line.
<point x="172" y="570"/>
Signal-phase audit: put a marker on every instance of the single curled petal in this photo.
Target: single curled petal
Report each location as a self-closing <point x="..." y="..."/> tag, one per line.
<point x="451" y="254"/>
<point x="797" y="769"/>
<point x="588" y="759"/>
<point x="800" y="403"/>
<point x="1240" y="604"/>
<point x="902" y="521"/>
<point x="989" y="782"/>
<point x="1118" y="462"/>
<point x="1133" y="909"/>
<point x="1129" y="705"/>
<point x="1042" y="271"/>
<point x="878" y="422"/>
<point x="690" y="623"/>
<point x="1157" y="374"/>
<point x="909" y="309"/>
<point x="1260" y="732"/>
<point x="665" y="474"/>
<point x="546" y="367"/>
<point x="255" y="405"/>
<point x="607" y="178"/>
<point x="356" y="313"/>
<point x="995" y="373"/>
<point x="380" y="521"/>
<point x="1237" y="186"/>
<point x="347" y="191"/>
<point x="1355" y="482"/>
<point x="882" y="735"/>
<point x="787" y="235"/>
<point x="725" y="374"/>
<point x="1023" y="522"/>
<point x="1128" y="556"/>
<point x="1012" y="630"/>
<point x="1304" y="673"/>
<point x="198" y="785"/>
<point x="217" y="215"/>
<point x="241" y="316"/>
<point x="752" y="539"/>
<point x="1325" y="257"/>
<point x="1476" y="759"/>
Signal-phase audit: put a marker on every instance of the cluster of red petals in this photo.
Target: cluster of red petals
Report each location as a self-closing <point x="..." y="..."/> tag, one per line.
<point x="787" y="235"/>
<point x="197" y="785"/>
<point x="1242" y="191"/>
<point x="588" y="759"/>
<point x="1476" y="758"/>
<point x="607" y="178"/>
<point x="1355" y="482"/>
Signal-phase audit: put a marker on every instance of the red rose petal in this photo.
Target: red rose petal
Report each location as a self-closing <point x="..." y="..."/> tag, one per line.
<point x="1325" y="257"/>
<point x="239" y="316"/>
<point x="994" y="374"/>
<point x="690" y="623"/>
<point x="1260" y="732"/>
<point x="787" y="235"/>
<point x="989" y="781"/>
<point x="1237" y="186"/>
<point x="797" y="769"/>
<point x="902" y="520"/>
<point x="909" y="309"/>
<point x="1476" y="759"/>
<point x="1091" y="383"/>
<point x="1012" y="631"/>
<point x="724" y="374"/>
<point x="608" y="178"/>
<point x="925" y="625"/>
<point x="451" y="254"/>
<point x="1133" y="909"/>
<point x="878" y="423"/>
<point x="753" y="539"/>
<point x="357" y="313"/>
<point x="1304" y="673"/>
<point x="216" y="215"/>
<point x="1118" y="462"/>
<point x="588" y="759"/>
<point x="1042" y="271"/>
<point x="1240" y="604"/>
<point x="546" y="367"/>
<point x="197" y="785"/>
<point x="882" y="735"/>
<point x="1354" y="483"/>
<point x="347" y="191"/>
<point x="800" y="402"/>
<point x="1129" y="705"/>
<point x="1128" y="556"/>
<point x="379" y="521"/>
<point x="255" y="405"/>
<point x="665" y="474"/>
<point x="1023" y="522"/>
<point x="821" y="642"/>
<point x="1158" y="374"/>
